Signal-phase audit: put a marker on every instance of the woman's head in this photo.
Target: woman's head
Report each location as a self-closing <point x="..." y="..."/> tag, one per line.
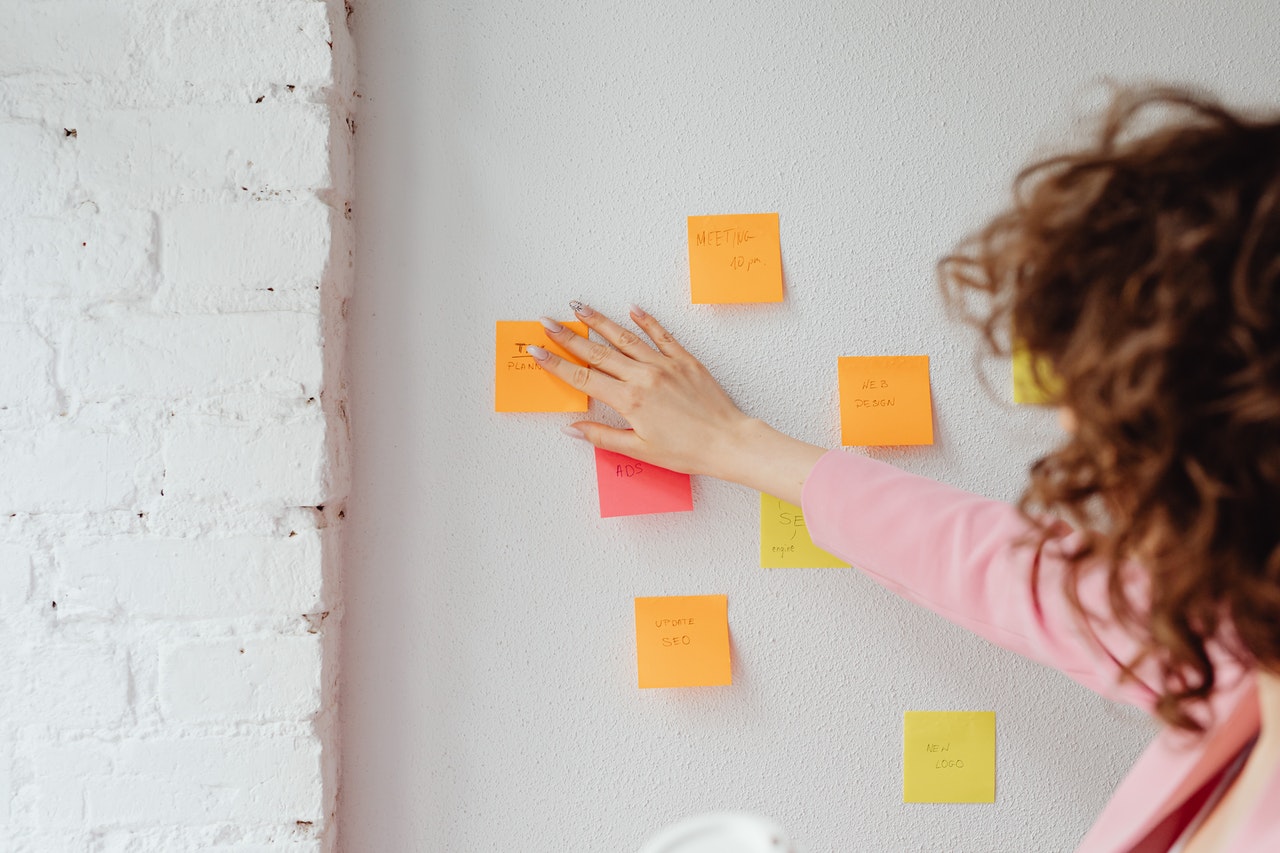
<point x="1145" y="270"/>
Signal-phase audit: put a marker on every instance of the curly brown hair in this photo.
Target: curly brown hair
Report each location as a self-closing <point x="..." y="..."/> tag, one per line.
<point x="1144" y="269"/>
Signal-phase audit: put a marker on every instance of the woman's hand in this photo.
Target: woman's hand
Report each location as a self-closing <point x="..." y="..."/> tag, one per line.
<point x="680" y="416"/>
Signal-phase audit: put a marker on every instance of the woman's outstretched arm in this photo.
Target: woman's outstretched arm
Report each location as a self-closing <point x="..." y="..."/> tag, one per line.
<point x="680" y="416"/>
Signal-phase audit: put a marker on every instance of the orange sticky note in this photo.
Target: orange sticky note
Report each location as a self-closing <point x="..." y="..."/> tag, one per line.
<point x="683" y="641"/>
<point x="630" y="487"/>
<point x="520" y="384"/>
<point x="885" y="400"/>
<point x="735" y="258"/>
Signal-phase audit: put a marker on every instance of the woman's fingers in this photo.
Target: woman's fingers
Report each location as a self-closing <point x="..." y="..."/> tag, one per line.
<point x="628" y="349"/>
<point x="625" y="341"/>
<point x="593" y="383"/>
<point x="622" y="441"/>
<point x="662" y="339"/>
<point x="600" y="356"/>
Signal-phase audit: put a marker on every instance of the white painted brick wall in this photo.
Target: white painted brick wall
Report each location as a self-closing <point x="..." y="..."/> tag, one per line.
<point x="175" y="254"/>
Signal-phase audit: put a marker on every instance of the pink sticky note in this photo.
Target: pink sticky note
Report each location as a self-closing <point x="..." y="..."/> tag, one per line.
<point x="631" y="487"/>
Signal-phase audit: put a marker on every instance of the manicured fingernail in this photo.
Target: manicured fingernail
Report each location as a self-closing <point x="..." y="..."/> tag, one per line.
<point x="550" y="325"/>
<point x="573" y="432"/>
<point x="580" y="309"/>
<point x="637" y="311"/>
<point x="537" y="352"/>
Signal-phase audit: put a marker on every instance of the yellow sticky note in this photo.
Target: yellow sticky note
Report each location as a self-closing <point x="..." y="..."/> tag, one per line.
<point x="949" y="757"/>
<point x="784" y="540"/>
<point x="1034" y="382"/>
<point x="683" y="641"/>
<point x="885" y="400"/>
<point x="735" y="258"/>
<point x="520" y="384"/>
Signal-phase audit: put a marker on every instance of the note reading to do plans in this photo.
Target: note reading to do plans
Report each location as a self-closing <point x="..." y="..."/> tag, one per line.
<point x="683" y="641"/>
<point x="1034" y="382"/>
<point x="521" y="385"/>
<point x="736" y="258"/>
<point x="630" y="487"/>
<point x="785" y="542"/>
<point x="885" y="400"/>
<point x="949" y="757"/>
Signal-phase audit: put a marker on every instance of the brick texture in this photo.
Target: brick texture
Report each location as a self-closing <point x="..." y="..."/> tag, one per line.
<point x="174" y="260"/>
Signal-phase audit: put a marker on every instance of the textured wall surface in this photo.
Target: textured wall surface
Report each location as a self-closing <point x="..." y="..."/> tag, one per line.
<point x="515" y="156"/>
<point x="174" y="255"/>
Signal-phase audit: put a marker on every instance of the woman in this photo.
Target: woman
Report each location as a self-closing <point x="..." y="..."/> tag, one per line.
<point x="1144" y="270"/>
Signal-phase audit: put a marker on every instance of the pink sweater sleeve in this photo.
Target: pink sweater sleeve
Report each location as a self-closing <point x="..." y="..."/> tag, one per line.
<point x="965" y="558"/>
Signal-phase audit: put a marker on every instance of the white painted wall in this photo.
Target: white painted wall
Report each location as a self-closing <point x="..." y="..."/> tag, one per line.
<point x="515" y="156"/>
<point x="174" y="255"/>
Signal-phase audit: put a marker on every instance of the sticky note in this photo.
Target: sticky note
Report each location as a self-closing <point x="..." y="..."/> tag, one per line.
<point x="1034" y="382"/>
<point x="683" y="641"/>
<point x="784" y="540"/>
<point x="949" y="757"/>
<point x="885" y="400"/>
<point x="630" y="487"/>
<point x="521" y="385"/>
<point x="735" y="258"/>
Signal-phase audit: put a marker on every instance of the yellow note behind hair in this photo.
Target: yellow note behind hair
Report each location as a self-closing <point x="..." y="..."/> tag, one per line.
<point x="949" y="757"/>
<point x="1034" y="382"/>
